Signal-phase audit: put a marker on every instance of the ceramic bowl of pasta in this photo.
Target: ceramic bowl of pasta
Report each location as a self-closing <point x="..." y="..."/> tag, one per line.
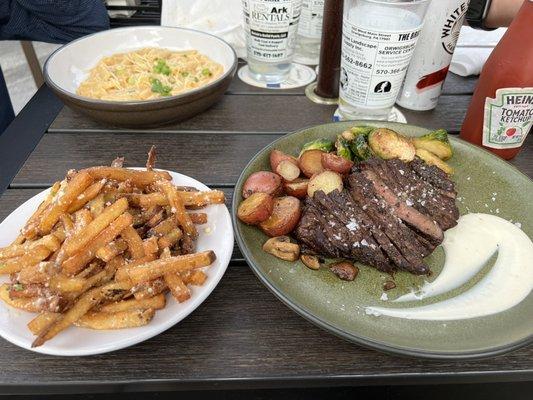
<point x="142" y="76"/>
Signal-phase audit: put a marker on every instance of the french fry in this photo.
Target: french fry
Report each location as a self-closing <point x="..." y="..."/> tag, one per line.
<point x="97" y="225"/>
<point x="19" y="290"/>
<point x="196" y="278"/>
<point x="36" y="273"/>
<point x="150" y="245"/>
<point x="97" y="205"/>
<point x="111" y="250"/>
<point x="134" y="241"/>
<point x="189" y="199"/>
<point x="163" y="227"/>
<point x="74" y="188"/>
<point x="149" y="289"/>
<point x="156" y="218"/>
<point x="198" y="218"/>
<point x="87" y="301"/>
<point x="49" y="241"/>
<point x="118" y="320"/>
<point x="83" y="218"/>
<point x="172" y="265"/>
<point x="177" y="207"/>
<point x="68" y="224"/>
<point x="42" y="321"/>
<point x="18" y="240"/>
<point x="178" y="289"/>
<point x="88" y="194"/>
<point x="138" y="178"/>
<point x="170" y="239"/>
<point x="156" y="302"/>
<point x="122" y="274"/>
<point x="31" y="228"/>
<point x="31" y="257"/>
<point x="64" y="284"/>
<point x="76" y="262"/>
<point x="26" y="304"/>
<point x="202" y="199"/>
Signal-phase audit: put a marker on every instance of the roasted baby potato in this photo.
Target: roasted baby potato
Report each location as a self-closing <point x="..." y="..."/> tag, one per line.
<point x="287" y="170"/>
<point x="277" y="156"/>
<point x="432" y="159"/>
<point x="311" y="162"/>
<point x="296" y="188"/>
<point x="256" y="208"/>
<point x="336" y="163"/>
<point x="435" y="142"/>
<point x="326" y="181"/>
<point x="262" y="182"/>
<point x="282" y="247"/>
<point x="322" y="144"/>
<point x="387" y="144"/>
<point x="284" y="218"/>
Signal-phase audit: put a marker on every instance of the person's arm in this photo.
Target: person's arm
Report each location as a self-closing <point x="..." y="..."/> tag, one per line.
<point x="501" y="13"/>
<point x="56" y="21"/>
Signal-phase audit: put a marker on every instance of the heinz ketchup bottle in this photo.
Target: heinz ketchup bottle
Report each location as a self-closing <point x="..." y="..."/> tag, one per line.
<point x="501" y="112"/>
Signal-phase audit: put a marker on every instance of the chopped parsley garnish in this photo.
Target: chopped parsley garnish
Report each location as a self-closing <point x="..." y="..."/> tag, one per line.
<point x="184" y="74"/>
<point x="206" y="72"/>
<point x="158" y="87"/>
<point x="18" y="287"/>
<point x="161" y="67"/>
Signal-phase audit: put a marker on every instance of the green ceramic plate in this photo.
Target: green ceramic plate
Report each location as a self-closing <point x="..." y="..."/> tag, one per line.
<point x="338" y="306"/>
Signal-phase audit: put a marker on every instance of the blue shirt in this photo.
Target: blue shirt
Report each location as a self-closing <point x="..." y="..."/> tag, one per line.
<point x="53" y="21"/>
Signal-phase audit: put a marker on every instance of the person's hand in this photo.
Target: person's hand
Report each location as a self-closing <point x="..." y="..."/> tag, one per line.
<point x="501" y="13"/>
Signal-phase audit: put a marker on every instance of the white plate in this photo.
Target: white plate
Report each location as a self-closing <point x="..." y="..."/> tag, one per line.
<point x="81" y="342"/>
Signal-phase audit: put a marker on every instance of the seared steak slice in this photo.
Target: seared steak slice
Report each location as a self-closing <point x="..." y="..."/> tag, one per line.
<point x="396" y="239"/>
<point x="357" y="240"/>
<point x="390" y="215"/>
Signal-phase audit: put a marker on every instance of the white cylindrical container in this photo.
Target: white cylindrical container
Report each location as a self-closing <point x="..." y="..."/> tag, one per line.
<point x="378" y="41"/>
<point x="309" y="32"/>
<point x="433" y="54"/>
<point x="270" y="27"/>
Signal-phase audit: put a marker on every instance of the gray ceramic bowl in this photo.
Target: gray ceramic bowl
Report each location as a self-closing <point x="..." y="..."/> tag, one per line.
<point x="68" y="66"/>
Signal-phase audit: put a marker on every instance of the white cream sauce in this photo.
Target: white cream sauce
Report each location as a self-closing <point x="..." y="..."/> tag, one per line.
<point x="468" y="247"/>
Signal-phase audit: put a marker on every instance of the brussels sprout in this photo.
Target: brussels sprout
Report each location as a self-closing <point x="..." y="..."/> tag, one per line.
<point x="355" y="131"/>
<point x="432" y="159"/>
<point x="435" y="142"/>
<point x="387" y="144"/>
<point x="343" y="148"/>
<point x="318" y="144"/>
<point x="360" y="148"/>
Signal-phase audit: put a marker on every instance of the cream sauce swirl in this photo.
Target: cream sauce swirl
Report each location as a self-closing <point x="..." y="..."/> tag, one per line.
<point x="468" y="247"/>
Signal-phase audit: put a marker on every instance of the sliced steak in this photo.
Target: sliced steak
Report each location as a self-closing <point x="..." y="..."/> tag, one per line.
<point x="390" y="215"/>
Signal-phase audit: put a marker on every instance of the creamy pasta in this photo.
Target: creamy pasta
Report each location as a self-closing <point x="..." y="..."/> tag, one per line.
<point x="148" y="73"/>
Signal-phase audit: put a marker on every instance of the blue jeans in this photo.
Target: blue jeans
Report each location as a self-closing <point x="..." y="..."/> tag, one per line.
<point x="6" y="109"/>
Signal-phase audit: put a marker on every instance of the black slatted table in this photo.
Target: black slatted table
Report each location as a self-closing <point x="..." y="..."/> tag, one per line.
<point x="242" y="337"/>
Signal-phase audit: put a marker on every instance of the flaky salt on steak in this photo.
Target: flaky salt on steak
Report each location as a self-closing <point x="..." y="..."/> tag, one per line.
<point x="391" y="215"/>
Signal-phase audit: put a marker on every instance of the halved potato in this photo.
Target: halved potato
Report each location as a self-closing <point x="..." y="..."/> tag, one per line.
<point x="311" y="162"/>
<point x="326" y="181"/>
<point x="277" y="156"/>
<point x="296" y="188"/>
<point x="336" y="163"/>
<point x="284" y="218"/>
<point x="256" y="208"/>
<point x="287" y="170"/>
<point x="262" y="182"/>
